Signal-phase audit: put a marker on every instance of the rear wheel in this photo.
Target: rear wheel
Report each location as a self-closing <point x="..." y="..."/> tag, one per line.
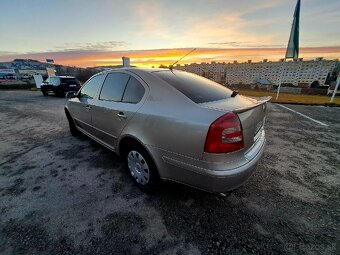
<point x="142" y="168"/>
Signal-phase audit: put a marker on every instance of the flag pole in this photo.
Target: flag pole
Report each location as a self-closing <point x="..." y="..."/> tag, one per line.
<point x="336" y="87"/>
<point x="280" y="81"/>
<point x="293" y="43"/>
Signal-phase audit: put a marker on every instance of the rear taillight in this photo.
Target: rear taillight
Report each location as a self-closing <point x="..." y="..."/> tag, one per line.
<point x="225" y="135"/>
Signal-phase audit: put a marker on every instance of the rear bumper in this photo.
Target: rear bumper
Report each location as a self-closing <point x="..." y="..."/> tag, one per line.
<point x="203" y="175"/>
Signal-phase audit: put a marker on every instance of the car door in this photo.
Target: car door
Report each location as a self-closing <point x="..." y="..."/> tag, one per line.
<point x="55" y="81"/>
<point x="81" y="106"/>
<point x="119" y="99"/>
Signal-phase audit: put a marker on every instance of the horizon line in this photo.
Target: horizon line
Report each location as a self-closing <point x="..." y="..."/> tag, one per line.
<point x="165" y="56"/>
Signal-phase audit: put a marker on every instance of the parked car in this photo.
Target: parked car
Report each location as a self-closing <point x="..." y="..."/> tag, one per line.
<point x="331" y="89"/>
<point x="60" y="85"/>
<point x="172" y="125"/>
<point x="25" y="76"/>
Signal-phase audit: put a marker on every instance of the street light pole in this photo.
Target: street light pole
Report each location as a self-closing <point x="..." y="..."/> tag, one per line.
<point x="280" y="81"/>
<point x="336" y="87"/>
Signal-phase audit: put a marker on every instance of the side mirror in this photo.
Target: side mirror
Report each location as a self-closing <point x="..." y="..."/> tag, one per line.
<point x="70" y="94"/>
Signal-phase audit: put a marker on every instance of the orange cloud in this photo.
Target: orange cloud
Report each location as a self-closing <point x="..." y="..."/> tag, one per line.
<point x="157" y="57"/>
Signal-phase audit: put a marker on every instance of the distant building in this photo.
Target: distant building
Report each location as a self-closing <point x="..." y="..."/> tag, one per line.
<point x="298" y="73"/>
<point x="30" y="73"/>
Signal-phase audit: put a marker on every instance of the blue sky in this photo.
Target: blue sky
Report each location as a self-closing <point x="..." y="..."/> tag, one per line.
<point x="81" y="26"/>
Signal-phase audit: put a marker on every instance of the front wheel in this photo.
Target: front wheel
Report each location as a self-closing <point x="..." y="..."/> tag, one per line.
<point x="44" y="93"/>
<point x="73" y="129"/>
<point x="142" y="168"/>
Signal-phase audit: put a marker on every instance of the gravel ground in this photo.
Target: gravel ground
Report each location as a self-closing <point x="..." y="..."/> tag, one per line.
<point x="65" y="195"/>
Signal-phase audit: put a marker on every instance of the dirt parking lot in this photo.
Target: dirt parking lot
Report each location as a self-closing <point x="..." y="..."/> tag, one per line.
<point x="65" y="195"/>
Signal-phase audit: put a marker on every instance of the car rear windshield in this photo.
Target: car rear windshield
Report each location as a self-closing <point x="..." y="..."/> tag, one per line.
<point x="69" y="81"/>
<point x="196" y="88"/>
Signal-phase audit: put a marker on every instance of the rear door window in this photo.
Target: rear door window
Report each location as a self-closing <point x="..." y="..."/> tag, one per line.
<point x="114" y="86"/>
<point x="196" y="88"/>
<point x="134" y="91"/>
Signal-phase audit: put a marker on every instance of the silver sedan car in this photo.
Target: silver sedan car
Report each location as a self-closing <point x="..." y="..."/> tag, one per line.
<point x="172" y="125"/>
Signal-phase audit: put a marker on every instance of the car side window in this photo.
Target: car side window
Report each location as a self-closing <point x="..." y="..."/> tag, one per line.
<point x="52" y="80"/>
<point x="91" y="87"/>
<point x="114" y="86"/>
<point x="55" y="81"/>
<point x="134" y="91"/>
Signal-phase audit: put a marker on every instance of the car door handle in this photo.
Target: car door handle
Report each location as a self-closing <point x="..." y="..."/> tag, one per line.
<point x="88" y="107"/>
<point x="121" y="115"/>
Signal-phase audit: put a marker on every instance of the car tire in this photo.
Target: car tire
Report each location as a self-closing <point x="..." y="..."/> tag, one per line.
<point x="73" y="129"/>
<point x="142" y="168"/>
<point x="44" y="93"/>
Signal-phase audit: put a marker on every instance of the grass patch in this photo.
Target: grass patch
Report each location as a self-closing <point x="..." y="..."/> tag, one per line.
<point x="293" y="98"/>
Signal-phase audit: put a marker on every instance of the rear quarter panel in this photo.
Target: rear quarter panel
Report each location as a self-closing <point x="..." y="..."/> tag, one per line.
<point x="170" y="121"/>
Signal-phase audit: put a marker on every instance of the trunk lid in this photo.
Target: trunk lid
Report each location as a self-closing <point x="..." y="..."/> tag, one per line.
<point x="250" y="111"/>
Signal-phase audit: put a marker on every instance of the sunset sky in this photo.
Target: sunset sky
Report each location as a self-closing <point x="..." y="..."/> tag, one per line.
<point x="92" y="33"/>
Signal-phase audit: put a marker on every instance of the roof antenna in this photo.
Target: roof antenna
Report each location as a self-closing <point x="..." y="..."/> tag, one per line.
<point x="171" y="66"/>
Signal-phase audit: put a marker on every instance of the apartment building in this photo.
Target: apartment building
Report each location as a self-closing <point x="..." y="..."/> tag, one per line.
<point x="291" y="72"/>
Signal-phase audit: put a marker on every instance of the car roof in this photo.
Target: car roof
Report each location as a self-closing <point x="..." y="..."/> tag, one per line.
<point x="137" y="70"/>
<point x="63" y="76"/>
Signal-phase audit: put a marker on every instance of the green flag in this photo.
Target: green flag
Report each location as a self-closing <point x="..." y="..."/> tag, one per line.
<point x="293" y="43"/>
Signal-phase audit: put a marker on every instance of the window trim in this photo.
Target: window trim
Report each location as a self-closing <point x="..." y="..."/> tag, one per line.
<point x="134" y="75"/>
<point x="121" y="99"/>
<point x="100" y="85"/>
<point x="131" y="74"/>
<point x="143" y="83"/>
<point x="125" y="90"/>
<point x="101" y="88"/>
